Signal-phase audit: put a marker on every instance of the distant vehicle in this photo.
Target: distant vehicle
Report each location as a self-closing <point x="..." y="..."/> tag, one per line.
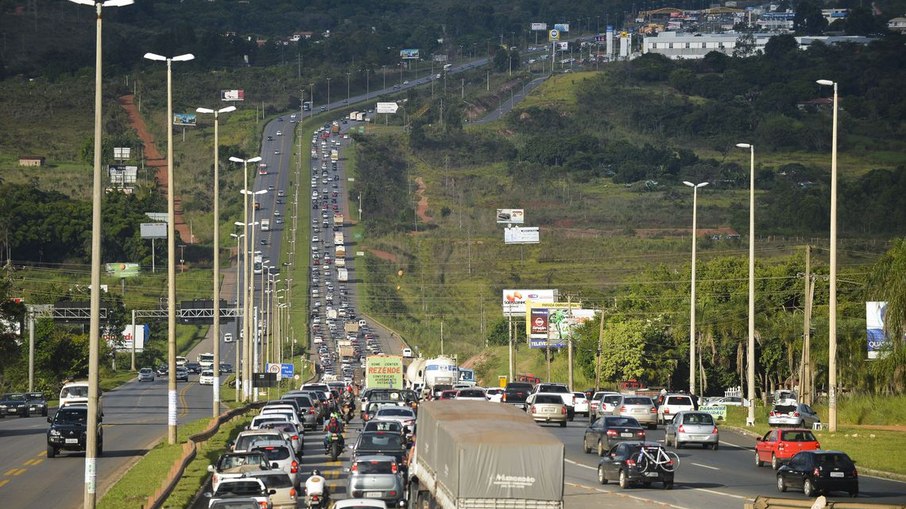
<point x="206" y="377"/>
<point x="262" y="169"/>
<point x="228" y="337"/>
<point x="797" y="415"/>
<point x="547" y="408"/>
<point x="692" y="428"/>
<point x="642" y="408"/>
<point x="407" y="352"/>
<point x="182" y="374"/>
<point x="279" y="133"/>
<point x="609" y="430"/>
<point x="581" y="406"/>
<point x="672" y="404"/>
<point x="146" y="375"/>
<point x="14" y="404"/>
<point x="818" y="472"/>
<point x="37" y="403"/>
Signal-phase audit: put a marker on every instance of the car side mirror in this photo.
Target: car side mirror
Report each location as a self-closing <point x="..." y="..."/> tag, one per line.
<point x="211" y="468"/>
<point x="50" y="419"/>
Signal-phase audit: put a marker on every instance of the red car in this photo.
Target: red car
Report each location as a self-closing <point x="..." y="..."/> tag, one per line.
<point x="778" y="446"/>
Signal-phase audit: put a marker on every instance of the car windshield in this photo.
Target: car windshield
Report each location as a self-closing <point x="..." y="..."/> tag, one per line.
<point x="471" y="394"/>
<point x="238" y="488"/>
<point x="698" y="419"/>
<point x="638" y="401"/>
<point x="15" y="397"/>
<point x="384" y="440"/>
<point x="373" y="467"/>
<point x="798" y="436"/>
<point x="71" y="416"/>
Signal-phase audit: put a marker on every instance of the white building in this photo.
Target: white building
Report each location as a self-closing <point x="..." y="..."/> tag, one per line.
<point x="683" y="45"/>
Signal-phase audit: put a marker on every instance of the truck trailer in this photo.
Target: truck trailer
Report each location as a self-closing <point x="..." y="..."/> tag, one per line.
<point x="471" y="455"/>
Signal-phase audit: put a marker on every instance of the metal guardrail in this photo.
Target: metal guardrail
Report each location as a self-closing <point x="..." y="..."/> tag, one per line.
<point x="819" y="503"/>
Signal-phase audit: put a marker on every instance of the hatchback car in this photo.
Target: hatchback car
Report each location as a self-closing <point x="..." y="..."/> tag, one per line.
<point x="377" y="477"/>
<point x="796" y="415"/>
<point x="692" y="428"/>
<point x="602" y="434"/>
<point x="779" y="445"/>
<point x="642" y="408"/>
<point x="817" y="472"/>
<point x="206" y="377"/>
<point x="642" y="463"/>
<point x="146" y="375"/>
<point x="281" y="456"/>
<point x="581" y="403"/>
<point x="548" y="408"/>
<point x="603" y="403"/>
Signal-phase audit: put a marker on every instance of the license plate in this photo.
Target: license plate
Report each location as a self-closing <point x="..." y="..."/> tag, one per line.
<point x="550" y="410"/>
<point x="650" y="474"/>
<point x="837" y="474"/>
<point x="638" y="410"/>
<point x="72" y="440"/>
<point x="626" y="435"/>
<point x="373" y="494"/>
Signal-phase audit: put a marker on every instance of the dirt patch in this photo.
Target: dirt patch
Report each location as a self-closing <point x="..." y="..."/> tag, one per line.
<point x="384" y="255"/>
<point x="155" y="160"/>
<point x="475" y="360"/>
<point x="422" y="209"/>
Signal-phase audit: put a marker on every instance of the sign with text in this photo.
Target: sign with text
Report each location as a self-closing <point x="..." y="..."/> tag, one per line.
<point x="553" y="35"/>
<point x="875" y="313"/>
<point x="154" y="230"/>
<point x="387" y="107"/>
<point x="409" y="54"/>
<point x="232" y="95"/>
<point x="719" y="412"/>
<point x="553" y="322"/>
<point x="384" y="371"/>
<point x="514" y="300"/>
<point x="521" y="235"/>
<point x="539" y="26"/>
<point x="510" y="216"/>
<point x="563" y="27"/>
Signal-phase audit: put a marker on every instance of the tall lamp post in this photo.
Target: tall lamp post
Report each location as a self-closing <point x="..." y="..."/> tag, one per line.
<point x="347" y="87"/>
<point x="90" y="491"/>
<point x="832" y="298"/>
<point x="171" y="248"/>
<point x="247" y="267"/>
<point x="695" y="188"/>
<point x="750" y="355"/>
<point x="216" y="386"/>
<point x="238" y="344"/>
<point x="328" y="94"/>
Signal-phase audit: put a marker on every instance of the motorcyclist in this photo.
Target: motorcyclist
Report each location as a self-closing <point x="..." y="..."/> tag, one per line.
<point x="316" y="485"/>
<point x="334" y="425"/>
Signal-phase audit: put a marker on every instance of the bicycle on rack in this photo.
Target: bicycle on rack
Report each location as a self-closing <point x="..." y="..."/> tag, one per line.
<point x="642" y="463"/>
<point x="666" y="460"/>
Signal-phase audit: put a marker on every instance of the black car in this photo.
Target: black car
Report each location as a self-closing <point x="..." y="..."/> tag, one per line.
<point x="516" y="393"/>
<point x="383" y="443"/>
<point x="37" y="403"/>
<point x="816" y="472"/>
<point x="226" y="367"/>
<point x="68" y="428"/>
<point x="193" y="368"/>
<point x="14" y="404"/>
<point x="602" y="434"/>
<point x="642" y="463"/>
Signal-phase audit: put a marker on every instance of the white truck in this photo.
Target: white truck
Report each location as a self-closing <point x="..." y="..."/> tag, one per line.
<point x="342" y="275"/>
<point x="205" y="360"/>
<point x="470" y="454"/>
<point x="338" y="239"/>
<point x="265" y="225"/>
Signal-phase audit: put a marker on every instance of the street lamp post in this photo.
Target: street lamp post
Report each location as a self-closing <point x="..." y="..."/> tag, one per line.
<point x="311" y="98"/>
<point x="347" y="87"/>
<point x="750" y="355"/>
<point x="171" y="248"/>
<point x="216" y="312"/>
<point x="90" y="491"/>
<point x="328" y="94"/>
<point x="247" y="267"/>
<point x="832" y="298"/>
<point x="695" y="188"/>
<point x="237" y="343"/>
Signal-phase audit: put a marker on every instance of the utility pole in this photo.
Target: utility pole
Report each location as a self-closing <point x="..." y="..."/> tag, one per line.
<point x="805" y="368"/>
<point x="569" y="344"/>
<point x="600" y="351"/>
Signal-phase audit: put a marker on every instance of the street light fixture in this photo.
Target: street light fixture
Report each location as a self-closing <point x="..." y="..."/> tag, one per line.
<point x="216" y="311"/>
<point x="171" y="248"/>
<point x="832" y="298"/>
<point x="90" y="488"/>
<point x="250" y="299"/>
<point x="750" y="355"/>
<point x="695" y="188"/>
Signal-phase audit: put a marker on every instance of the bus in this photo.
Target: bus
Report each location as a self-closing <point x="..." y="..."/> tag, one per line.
<point x="306" y="106"/>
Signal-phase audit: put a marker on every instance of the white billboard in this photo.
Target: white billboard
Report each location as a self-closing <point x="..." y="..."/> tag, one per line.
<point x="875" y="313"/>
<point x="142" y="331"/>
<point x="154" y="230"/>
<point x="521" y="235"/>
<point x="510" y="216"/>
<point x="232" y="95"/>
<point x="539" y="26"/>
<point x="513" y="302"/>
<point x="387" y="107"/>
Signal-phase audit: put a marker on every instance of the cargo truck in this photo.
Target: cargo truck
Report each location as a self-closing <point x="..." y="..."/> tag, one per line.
<point x="470" y="454"/>
<point x="384" y="372"/>
<point x="338" y="219"/>
<point x="338" y="239"/>
<point x="345" y="348"/>
<point x="342" y="275"/>
<point x="334" y="155"/>
<point x="265" y="225"/>
<point x="351" y="327"/>
<point x="340" y="262"/>
<point x="340" y="251"/>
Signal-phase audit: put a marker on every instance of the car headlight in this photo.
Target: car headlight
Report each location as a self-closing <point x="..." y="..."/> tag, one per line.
<point x="54" y="433"/>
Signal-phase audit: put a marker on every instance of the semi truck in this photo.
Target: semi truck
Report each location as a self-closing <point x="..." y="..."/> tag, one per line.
<point x="469" y="454"/>
<point x="384" y="372"/>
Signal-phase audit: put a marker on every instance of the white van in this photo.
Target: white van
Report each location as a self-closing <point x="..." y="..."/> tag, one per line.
<point x="76" y="393"/>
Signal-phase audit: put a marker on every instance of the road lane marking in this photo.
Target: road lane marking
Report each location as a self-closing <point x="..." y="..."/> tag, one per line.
<point x="15" y="471"/>
<point x="34" y="461"/>
<point x="705" y="466"/>
<point x="714" y="492"/>
<point x="3" y="482"/>
<point x="581" y="465"/>
<point x="625" y="495"/>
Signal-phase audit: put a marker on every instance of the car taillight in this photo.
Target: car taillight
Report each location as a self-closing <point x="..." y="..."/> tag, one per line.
<point x="311" y="411"/>
<point x="563" y="409"/>
<point x="295" y="467"/>
<point x="354" y="468"/>
<point x="292" y="492"/>
<point x="817" y="445"/>
<point x="855" y="472"/>
<point x="315" y="498"/>
<point x="680" y="429"/>
<point x="393" y="468"/>
<point x="714" y="431"/>
<point x="630" y="463"/>
<point x="295" y="437"/>
<point x="503" y="398"/>
<point x="622" y="409"/>
<point x="654" y="409"/>
<point x="611" y="432"/>
<point x="640" y="434"/>
<point x="795" y="414"/>
<point x="772" y="413"/>
<point x="263" y="504"/>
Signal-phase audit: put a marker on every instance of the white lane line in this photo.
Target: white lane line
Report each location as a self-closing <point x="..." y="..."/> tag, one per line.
<point x="581" y="465"/>
<point x="721" y="493"/>
<point x="626" y="495"/>
<point x="709" y="467"/>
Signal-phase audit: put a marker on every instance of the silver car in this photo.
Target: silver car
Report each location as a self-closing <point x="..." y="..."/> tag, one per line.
<point x="377" y="477"/>
<point x="792" y="414"/>
<point x="548" y="407"/>
<point x="692" y="428"/>
<point x="642" y="408"/>
<point x="606" y="401"/>
<point x="146" y="375"/>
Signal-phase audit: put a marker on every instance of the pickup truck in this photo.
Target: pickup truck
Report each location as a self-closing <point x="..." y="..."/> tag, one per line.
<point x="516" y="393"/>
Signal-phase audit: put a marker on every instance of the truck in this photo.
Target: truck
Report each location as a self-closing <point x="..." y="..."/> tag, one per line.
<point x="338" y="239"/>
<point x="415" y="374"/>
<point x="351" y="327"/>
<point x="337" y="219"/>
<point x="352" y="115"/>
<point x="334" y="155"/>
<point x="345" y="348"/>
<point x="306" y="106"/>
<point x="342" y="275"/>
<point x="257" y="266"/>
<point x="384" y="372"/>
<point x="360" y="116"/>
<point x="257" y="205"/>
<point x="205" y="360"/>
<point x="340" y="262"/>
<point x="265" y="225"/>
<point x="340" y="251"/>
<point x="441" y="370"/>
<point x="471" y="454"/>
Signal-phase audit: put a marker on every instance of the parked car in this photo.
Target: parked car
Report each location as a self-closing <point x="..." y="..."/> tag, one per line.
<point x="792" y="414"/>
<point x="779" y="445"/>
<point x="606" y="431"/>
<point x="548" y="408"/>
<point x="376" y="477"/>
<point x="642" y="408"/>
<point x="672" y="404"/>
<point x="692" y="428"/>
<point x="638" y="463"/>
<point x="817" y="472"/>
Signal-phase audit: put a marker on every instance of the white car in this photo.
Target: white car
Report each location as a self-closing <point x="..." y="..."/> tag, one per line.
<point x="495" y="394"/>
<point x="581" y="405"/>
<point x="360" y="503"/>
<point x="228" y="337"/>
<point x="672" y="404"/>
<point x="206" y="377"/>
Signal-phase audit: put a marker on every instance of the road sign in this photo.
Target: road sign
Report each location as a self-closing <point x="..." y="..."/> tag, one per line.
<point x="387" y="107"/>
<point x="273" y="368"/>
<point x="553" y="35"/>
<point x="287" y="370"/>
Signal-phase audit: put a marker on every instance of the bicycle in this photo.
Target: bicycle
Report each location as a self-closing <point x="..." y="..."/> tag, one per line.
<point x="667" y="461"/>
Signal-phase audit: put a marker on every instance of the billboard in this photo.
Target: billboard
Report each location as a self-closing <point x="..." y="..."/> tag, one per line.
<point x="553" y="35"/>
<point x="513" y="303"/>
<point x="122" y="270"/>
<point x="154" y="230"/>
<point x="552" y="323"/>
<point x="563" y="46"/>
<point x="384" y="371"/>
<point x="563" y="27"/>
<point x="409" y="54"/>
<point x="121" y="175"/>
<point x="510" y="216"/>
<point x="184" y="119"/>
<point x="141" y="333"/>
<point x="875" y="313"/>
<point x="232" y="95"/>
<point x="521" y="235"/>
<point x="539" y="26"/>
<point x="387" y="107"/>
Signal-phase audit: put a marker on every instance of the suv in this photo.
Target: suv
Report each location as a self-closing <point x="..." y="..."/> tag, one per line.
<point x="516" y="393"/>
<point x="568" y="398"/>
<point x="672" y="404"/>
<point x="68" y="429"/>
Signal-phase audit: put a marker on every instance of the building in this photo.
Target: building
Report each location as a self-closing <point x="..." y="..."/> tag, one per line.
<point x="31" y="160"/>
<point x="683" y="45"/>
<point x="897" y="25"/>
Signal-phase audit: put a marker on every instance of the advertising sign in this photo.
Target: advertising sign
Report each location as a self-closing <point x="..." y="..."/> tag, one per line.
<point x="409" y="54"/>
<point x="553" y="35"/>
<point x="563" y="27"/>
<point x="121" y="175"/>
<point x="122" y="270"/>
<point x="521" y="235"/>
<point x="552" y="323"/>
<point x="539" y="26"/>
<point x="718" y="412"/>
<point x="154" y="230"/>
<point x="184" y="119"/>
<point x="875" y="313"/>
<point x="141" y="332"/>
<point x="387" y="107"/>
<point x="232" y="95"/>
<point x="514" y="300"/>
<point x="563" y="46"/>
<point x="510" y="216"/>
<point x="385" y="371"/>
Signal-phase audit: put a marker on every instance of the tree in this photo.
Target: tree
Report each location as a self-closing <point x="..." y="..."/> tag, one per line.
<point x="808" y="19"/>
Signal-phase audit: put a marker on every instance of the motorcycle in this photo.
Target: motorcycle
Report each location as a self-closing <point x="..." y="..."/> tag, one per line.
<point x="348" y="412"/>
<point x="334" y="445"/>
<point x="318" y="500"/>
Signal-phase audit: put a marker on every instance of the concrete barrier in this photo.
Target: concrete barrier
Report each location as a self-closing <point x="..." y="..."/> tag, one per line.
<point x="819" y="503"/>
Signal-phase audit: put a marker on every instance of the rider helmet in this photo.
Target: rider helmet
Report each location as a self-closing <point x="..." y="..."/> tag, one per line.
<point x="316" y="472"/>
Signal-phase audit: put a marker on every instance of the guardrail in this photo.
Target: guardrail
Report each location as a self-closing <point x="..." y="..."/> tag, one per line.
<point x="819" y="503"/>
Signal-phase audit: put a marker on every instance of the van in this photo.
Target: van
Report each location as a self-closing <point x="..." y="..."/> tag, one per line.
<point x="76" y="393"/>
<point x="181" y="362"/>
